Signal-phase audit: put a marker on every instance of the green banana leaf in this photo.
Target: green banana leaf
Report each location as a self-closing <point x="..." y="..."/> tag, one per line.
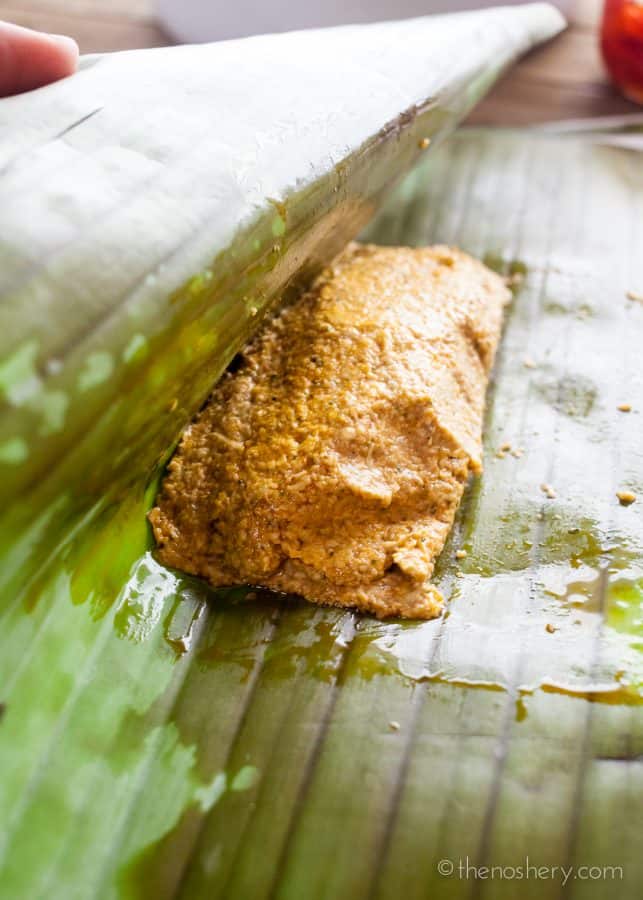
<point x="163" y="740"/>
<point x="159" y="739"/>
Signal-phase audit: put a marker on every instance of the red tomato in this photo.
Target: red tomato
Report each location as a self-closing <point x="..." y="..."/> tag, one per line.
<point x="622" y="45"/>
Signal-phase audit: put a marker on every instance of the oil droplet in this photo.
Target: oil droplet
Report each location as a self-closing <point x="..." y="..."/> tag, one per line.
<point x="181" y="623"/>
<point x="623" y="695"/>
<point x="143" y="599"/>
<point x="470" y="684"/>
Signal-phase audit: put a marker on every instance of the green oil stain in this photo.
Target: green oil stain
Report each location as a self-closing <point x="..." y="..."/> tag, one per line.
<point x="557" y="308"/>
<point x="464" y="683"/>
<point x="579" y="540"/>
<point x="597" y="578"/>
<point x="583" y="594"/>
<point x="567" y="537"/>
<point x="572" y="395"/>
<point x="315" y="645"/>
<point x="625" y="606"/>
<point x="98" y="367"/>
<point x="244" y="640"/>
<point x="515" y="271"/>
<point x="621" y="695"/>
<point x="518" y="267"/>
<point x="14" y="451"/>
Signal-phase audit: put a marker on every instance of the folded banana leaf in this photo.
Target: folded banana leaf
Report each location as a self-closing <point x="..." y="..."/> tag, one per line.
<point x="155" y="204"/>
<point x="159" y="739"/>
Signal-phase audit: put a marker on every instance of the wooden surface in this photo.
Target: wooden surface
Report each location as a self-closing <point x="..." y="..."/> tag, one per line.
<point x="562" y="80"/>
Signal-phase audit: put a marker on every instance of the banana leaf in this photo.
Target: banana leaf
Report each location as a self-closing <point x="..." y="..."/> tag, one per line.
<point x="154" y="205"/>
<point x="159" y="739"/>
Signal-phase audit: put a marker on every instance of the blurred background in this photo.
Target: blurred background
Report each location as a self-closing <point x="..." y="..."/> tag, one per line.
<point x="199" y="19"/>
<point x="566" y="79"/>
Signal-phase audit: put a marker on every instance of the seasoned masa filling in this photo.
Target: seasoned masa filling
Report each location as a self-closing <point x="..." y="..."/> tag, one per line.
<point x="332" y="461"/>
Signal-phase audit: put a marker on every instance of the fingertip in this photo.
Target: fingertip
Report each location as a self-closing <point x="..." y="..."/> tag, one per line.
<point x="68" y="50"/>
<point x="31" y="59"/>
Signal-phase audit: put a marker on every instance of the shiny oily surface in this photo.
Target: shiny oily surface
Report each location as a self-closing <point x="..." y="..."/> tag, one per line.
<point x="200" y="744"/>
